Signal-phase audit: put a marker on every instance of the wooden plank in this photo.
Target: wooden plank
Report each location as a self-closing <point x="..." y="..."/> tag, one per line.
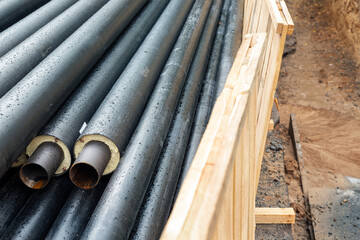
<point x="263" y="79"/>
<point x="277" y="20"/>
<point x="256" y="16"/>
<point x="274" y="215"/>
<point x="288" y="17"/>
<point x="252" y="15"/>
<point x="225" y="221"/>
<point x="262" y="18"/>
<point x="252" y="164"/>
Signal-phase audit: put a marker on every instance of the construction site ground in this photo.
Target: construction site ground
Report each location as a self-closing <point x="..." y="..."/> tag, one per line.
<point x="320" y="83"/>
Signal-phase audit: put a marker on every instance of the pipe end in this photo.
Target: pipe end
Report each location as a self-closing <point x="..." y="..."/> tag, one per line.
<point x="34" y="176"/>
<point x="84" y="175"/>
<point x="90" y="165"/>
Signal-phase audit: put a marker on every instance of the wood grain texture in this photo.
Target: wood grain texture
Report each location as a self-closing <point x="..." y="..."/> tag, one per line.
<point x="275" y="215"/>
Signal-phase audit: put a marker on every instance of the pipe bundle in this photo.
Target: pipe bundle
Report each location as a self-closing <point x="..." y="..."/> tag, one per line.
<point x="122" y="88"/>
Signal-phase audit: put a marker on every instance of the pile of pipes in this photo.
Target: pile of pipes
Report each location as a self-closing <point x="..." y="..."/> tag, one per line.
<point x="117" y="95"/>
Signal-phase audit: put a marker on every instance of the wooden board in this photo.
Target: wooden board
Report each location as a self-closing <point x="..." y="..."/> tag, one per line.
<point x="274" y="215"/>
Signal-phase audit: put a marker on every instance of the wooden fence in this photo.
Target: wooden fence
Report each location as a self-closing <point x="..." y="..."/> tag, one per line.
<point x="217" y="199"/>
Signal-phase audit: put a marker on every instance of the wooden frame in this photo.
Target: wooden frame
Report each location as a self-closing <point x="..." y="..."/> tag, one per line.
<point x="217" y="198"/>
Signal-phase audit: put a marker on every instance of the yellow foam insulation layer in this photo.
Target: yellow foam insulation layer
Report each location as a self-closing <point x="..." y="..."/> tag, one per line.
<point x="115" y="154"/>
<point x="35" y="143"/>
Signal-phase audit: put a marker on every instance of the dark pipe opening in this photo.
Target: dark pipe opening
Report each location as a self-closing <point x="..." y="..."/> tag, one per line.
<point x="34" y="176"/>
<point x="84" y="175"/>
<point x="90" y="165"/>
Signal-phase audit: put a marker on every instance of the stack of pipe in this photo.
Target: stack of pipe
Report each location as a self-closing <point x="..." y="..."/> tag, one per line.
<point x="12" y="11"/>
<point x="38" y="95"/>
<point x="63" y="129"/>
<point x="99" y="87"/>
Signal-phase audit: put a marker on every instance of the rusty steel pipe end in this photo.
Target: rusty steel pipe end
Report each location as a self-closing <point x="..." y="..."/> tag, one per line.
<point x="90" y="165"/>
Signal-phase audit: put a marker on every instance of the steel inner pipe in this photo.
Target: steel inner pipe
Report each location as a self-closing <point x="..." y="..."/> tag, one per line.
<point x="12" y="11"/>
<point x="76" y="212"/>
<point x="90" y="165"/>
<point x="18" y="32"/>
<point x="19" y="61"/>
<point x="157" y="202"/>
<point x="63" y="129"/>
<point x="40" y="211"/>
<point x="116" y="119"/>
<point x="37" y="97"/>
<point x="39" y="169"/>
<point x="206" y="100"/>
<point x="116" y="211"/>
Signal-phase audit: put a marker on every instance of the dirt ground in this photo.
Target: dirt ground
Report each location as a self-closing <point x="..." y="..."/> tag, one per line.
<point x="320" y="83"/>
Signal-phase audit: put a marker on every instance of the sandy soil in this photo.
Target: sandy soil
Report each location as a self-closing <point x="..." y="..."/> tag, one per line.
<point x="320" y="83"/>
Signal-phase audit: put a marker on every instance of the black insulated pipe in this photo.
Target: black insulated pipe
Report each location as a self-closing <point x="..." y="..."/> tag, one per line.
<point x="12" y="11"/>
<point x="19" y="61"/>
<point x="40" y="94"/>
<point x="41" y="166"/>
<point x="18" y="32"/>
<point x="116" y="211"/>
<point x="90" y="165"/>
